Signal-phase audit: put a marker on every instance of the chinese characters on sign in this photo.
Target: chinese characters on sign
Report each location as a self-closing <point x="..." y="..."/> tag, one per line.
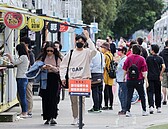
<point x="53" y="27"/>
<point x="35" y="24"/>
<point x="79" y="87"/>
<point x="14" y="20"/>
<point x="63" y="28"/>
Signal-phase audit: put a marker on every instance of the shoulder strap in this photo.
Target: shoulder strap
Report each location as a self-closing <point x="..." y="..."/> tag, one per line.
<point x="69" y="60"/>
<point x="101" y="61"/>
<point x="110" y="62"/>
<point x="109" y="57"/>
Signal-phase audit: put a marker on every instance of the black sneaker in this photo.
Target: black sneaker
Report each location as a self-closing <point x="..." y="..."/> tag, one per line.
<point x="110" y="108"/>
<point x="94" y="110"/>
<point x="82" y="124"/>
<point x="53" y="122"/>
<point x="164" y="103"/>
<point x="121" y="113"/>
<point x="91" y="110"/>
<point x="46" y="122"/>
<point x="105" y="108"/>
<point x="30" y="114"/>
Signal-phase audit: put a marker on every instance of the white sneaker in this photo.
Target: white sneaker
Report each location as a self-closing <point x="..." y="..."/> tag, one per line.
<point x="151" y="110"/>
<point x="159" y="110"/>
<point x="128" y="114"/>
<point x="144" y="113"/>
<point x="75" y="121"/>
<point x="24" y="116"/>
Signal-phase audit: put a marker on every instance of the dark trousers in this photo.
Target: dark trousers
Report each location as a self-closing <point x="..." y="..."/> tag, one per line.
<point x="154" y="88"/>
<point x="108" y="94"/>
<point x="97" y="95"/>
<point x="138" y="85"/>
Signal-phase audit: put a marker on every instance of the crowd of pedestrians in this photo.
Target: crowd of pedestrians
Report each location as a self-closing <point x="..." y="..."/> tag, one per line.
<point x="134" y="68"/>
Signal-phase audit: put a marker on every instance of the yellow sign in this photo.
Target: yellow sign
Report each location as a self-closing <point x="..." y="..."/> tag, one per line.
<point x="35" y="24"/>
<point x="23" y="23"/>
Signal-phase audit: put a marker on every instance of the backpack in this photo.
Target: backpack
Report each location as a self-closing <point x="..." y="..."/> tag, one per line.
<point x="133" y="72"/>
<point x="112" y="69"/>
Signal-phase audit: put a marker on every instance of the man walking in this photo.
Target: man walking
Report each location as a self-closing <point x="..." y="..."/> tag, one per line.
<point x="135" y="67"/>
<point x="79" y="67"/>
<point x="156" y="68"/>
<point x="164" y="54"/>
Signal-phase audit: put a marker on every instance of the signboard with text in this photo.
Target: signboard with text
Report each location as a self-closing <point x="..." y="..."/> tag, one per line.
<point x="79" y="87"/>
<point x="35" y="24"/>
<point x="14" y="20"/>
<point x="63" y="28"/>
<point x="53" y="27"/>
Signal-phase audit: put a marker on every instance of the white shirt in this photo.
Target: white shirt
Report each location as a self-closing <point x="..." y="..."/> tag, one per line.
<point x="80" y="62"/>
<point x="97" y="63"/>
<point x="22" y="64"/>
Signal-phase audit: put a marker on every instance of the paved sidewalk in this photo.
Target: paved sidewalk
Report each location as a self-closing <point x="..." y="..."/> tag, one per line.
<point x="104" y="120"/>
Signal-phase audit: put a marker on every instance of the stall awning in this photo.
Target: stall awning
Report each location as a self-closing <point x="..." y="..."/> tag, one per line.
<point x="7" y="8"/>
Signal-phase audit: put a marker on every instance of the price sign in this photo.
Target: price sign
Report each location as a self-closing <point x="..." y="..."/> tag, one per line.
<point x="79" y="87"/>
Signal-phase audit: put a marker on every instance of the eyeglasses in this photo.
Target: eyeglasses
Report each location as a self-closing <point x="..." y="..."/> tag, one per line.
<point x="49" y="50"/>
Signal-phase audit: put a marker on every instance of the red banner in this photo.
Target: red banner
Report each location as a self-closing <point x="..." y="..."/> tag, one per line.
<point x="63" y="28"/>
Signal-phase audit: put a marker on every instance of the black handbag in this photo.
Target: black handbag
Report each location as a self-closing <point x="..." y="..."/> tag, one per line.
<point x="96" y="78"/>
<point x="66" y="76"/>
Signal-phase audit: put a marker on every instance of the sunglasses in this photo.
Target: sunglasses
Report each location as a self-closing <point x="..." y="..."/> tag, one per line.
<point x="49" y="50"/>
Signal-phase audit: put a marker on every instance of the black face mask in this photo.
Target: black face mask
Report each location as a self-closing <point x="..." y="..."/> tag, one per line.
<point x="79" y="45"/>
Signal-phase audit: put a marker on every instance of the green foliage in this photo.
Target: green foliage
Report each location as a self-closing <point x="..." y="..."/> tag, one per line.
<point x="121" y="17"/>
<point x="136" y="14"/>
<point x="104" y="12"/>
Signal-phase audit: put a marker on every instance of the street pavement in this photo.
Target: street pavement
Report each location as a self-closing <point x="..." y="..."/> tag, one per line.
<point x="105" y="120"/>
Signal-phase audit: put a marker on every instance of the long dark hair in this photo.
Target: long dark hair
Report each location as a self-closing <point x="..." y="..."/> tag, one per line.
<point x="22" y="50"/>
<point x="44" y="53"/>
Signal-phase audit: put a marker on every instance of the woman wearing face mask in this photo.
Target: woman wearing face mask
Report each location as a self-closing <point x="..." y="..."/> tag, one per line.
<point x="108" y="94"/>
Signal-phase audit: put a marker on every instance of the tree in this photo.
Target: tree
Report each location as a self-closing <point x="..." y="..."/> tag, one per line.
<point x="121" y="17"/>
<point x="103" y="11"/>
<point x="136" y="14"/>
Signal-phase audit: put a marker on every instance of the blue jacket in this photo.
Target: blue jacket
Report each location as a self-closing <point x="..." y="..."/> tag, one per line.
<point x="35" y="72"/>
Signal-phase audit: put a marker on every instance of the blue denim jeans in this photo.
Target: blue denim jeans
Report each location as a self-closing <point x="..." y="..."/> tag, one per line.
<point x="21" y="87"/>
<point x="122" y="94"/>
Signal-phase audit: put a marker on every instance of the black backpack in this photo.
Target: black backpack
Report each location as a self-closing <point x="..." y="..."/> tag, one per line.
<point x="112" y="69"/>
<point x="133" y="72"/>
